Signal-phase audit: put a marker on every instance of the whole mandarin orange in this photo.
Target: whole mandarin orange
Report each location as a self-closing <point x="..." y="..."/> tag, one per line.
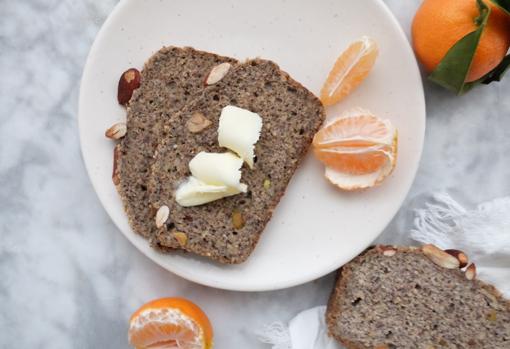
<point x="439" y="24"/>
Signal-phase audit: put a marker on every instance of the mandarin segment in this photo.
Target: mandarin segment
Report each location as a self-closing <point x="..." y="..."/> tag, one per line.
<point x="353" y="182"/>
<point x="353" y="163"/>
<point x="350" y="69"/>
<point x="356" y="143"/>
<point x="357" y="127"/>
<point x="358" y="149"/>
<point x="170" y="323"/>
<point x="162" y="333"/>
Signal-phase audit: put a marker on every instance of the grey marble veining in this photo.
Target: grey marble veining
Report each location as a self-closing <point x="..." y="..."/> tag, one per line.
<point x="70" y="280"/>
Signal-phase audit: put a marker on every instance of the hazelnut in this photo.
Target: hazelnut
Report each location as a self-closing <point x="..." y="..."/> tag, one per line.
<point x="461" y="256"/>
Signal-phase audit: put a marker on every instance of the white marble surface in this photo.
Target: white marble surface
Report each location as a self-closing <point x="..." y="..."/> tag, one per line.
<point x="69" y="279"/>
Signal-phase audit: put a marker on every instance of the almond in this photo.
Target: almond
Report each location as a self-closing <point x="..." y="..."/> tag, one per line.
<point x="181" y="238"/>
<point x="162" y="216"/>
<point x="116" y="131"/>
<point x="128" y="82"/>
<point x="440" y="257"/>
<point x="115" y="172"/>
<point x="461" y="256"/>
<point x="388" y="251"/>
<point x="217" y="73"/>
<point x="470" y="272"/>
<point x="197" y="122"/>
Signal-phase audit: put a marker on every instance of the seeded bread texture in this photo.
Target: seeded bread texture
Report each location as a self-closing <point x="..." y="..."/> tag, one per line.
<point x="170" y="78"/>
<point x="228" y="229"/>
<point x="407" y="301"/>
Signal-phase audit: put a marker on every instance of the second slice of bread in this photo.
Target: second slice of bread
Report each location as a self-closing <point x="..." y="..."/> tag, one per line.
<point x="291" y="116"/>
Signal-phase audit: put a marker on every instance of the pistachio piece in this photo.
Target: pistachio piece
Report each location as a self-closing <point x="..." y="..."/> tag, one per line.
<point x="237" y="219"/>
<point x="492" y="316"/>
<point x="181" y="238"/>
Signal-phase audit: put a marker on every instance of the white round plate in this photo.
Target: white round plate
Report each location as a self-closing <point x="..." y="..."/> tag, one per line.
<point x="315" y="228"/>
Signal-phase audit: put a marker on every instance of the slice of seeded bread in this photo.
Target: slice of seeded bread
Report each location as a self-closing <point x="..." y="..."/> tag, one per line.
<point x="228" y="229"/>
<point x="170" y="78"/>
<point x="402" y="299"/>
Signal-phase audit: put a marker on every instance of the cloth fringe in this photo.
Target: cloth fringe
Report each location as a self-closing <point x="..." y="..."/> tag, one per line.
<point x="482" y="232"/>
<point x="277" y="334"/>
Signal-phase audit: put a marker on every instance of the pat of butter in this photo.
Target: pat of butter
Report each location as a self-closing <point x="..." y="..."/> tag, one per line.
<point x="239" y="130"/>
<point x="194" y="192"/>
<point x="217" y="169"/>
<point x="213" y="176"/>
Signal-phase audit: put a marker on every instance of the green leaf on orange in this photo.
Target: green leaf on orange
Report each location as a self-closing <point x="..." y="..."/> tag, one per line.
<point x="451" y="72"/>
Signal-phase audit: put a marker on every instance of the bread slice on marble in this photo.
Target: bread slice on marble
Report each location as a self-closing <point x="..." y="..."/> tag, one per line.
<point x="228" y="229"/>
<point x="404" y="297"/>
<point x="170" y="78"/>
